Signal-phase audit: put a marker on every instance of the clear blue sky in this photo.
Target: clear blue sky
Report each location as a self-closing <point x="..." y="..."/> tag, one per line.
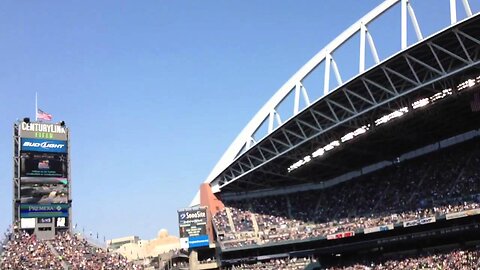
<point x="154" y="91"/>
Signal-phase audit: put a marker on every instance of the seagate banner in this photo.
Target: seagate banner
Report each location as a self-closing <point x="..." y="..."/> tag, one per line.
<point x="43" y="131"/>
<point x="193" y="226"/>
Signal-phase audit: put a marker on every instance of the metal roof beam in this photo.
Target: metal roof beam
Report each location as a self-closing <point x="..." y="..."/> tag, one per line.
<point x="401" y="76"/>
<point x="425" y="65"/>
<point x="449" y="53"/>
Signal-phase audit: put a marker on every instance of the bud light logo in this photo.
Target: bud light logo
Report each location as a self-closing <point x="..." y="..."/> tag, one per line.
<point x="45" y="145"/>
<point x="39" y="145"/>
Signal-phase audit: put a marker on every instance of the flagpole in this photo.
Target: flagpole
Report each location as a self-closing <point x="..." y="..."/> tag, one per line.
<point x="36" y="106"/>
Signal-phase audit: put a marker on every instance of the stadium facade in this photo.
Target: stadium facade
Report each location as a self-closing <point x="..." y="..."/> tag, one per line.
<point x="386" y="165"/>
<point x="41" y="178"/>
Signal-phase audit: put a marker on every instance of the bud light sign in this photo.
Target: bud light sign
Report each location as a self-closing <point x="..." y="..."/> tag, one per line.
<point x="41" y="145"/>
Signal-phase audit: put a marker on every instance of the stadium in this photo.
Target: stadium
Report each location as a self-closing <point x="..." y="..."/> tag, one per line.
<point x="380" y="172"/>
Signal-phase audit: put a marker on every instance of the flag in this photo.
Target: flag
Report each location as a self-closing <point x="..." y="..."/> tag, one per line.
<point x="43" y="115"/>
<point x="475" y="104"/>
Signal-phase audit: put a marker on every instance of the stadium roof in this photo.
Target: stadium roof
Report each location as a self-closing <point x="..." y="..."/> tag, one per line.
<point x="392" y="87"/>
<point x="411" y="131"/>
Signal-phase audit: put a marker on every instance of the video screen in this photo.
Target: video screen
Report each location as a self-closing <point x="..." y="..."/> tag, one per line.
<point x="44" y="180"/>
<point x="34" y="164"/>
<point x="192" y="222"/>
<point x="44" y="194"/>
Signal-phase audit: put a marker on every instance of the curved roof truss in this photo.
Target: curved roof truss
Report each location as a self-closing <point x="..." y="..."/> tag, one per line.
<point x="246" y="153"/>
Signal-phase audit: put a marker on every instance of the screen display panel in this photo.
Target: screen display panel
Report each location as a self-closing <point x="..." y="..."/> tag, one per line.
<point x="35" y="164"/>
<point x="44" y="194"/>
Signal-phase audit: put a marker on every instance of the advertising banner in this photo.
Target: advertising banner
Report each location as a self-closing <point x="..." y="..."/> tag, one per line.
<point x="427" y="220"/>
<point x="456" y="215"/>
<point x="198" y="241"/>
<point x="462" y="214"/>
<point x="192" y="222"/>
<point x="410" y="223"/>
<point x="473" y="212"/>
<point x="43" y="145"/>
<point x="340" y="235"/>
<point x="421" y="221"/>
<point x="43" y="194"/>
<point x="34" y="164"/>
<point x="193" y="225"/>
<point x="43" y="131"/>
<point x="43" y="210"/>
<point x="378" y="229"/>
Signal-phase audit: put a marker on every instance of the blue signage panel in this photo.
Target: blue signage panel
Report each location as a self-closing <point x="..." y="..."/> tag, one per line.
<point x="42" y="145"/>
<point x="44" y="210"/>
<point x="198" y="241"/>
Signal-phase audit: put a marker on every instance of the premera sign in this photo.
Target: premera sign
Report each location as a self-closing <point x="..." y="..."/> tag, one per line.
<point x="193" y="226"/>
<point x="43" y="131"/>
<point x="44" y="146"/>
<point x="43" y="210"/>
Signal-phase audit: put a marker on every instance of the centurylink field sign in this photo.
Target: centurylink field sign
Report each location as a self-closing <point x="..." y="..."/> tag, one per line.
<point x="43" y="131"/>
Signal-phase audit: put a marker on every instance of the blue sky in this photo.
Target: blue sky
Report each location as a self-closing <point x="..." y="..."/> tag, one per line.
<point x="154" y="91"/>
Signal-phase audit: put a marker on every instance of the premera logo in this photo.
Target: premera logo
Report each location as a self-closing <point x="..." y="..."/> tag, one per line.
<point x="44" y="211"/>
<point x="39" y="145"/>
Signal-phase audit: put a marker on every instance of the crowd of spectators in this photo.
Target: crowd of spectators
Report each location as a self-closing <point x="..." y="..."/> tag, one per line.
<point x="445" y="260"/>
<point x="430" y="186"/>
<point x="454" y="260"/>
<point x="81" y="255"/>
<point x="277" y="264"/>
<point x="24" y="252"/>
<point x="66" y="251"/>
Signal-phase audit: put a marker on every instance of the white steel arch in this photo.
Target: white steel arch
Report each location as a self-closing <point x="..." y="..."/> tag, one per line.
<point x="245" y="140"/>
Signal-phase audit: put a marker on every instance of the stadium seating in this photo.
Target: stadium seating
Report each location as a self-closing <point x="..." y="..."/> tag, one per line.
<point x="452" y="259"/>
<point x="24" y="251"/>
<point x="278" y="264"/>
<point x="434" y="185"/>
<point x="458" y="259"/>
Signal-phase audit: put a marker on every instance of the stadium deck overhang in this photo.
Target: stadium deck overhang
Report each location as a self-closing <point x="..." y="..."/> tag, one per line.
<point x="428" y="69"/>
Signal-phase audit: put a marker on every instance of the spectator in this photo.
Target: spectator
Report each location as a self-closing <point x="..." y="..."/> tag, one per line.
<point x="24" y="251"/>
<point x="433" y="185"/>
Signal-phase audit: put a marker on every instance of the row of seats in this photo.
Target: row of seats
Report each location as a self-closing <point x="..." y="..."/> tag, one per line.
<point x="440" y="183"/>
<point x="66" y="251"/>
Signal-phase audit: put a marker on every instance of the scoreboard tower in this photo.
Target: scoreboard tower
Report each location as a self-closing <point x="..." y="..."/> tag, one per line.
<point x="41" y="178"/>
